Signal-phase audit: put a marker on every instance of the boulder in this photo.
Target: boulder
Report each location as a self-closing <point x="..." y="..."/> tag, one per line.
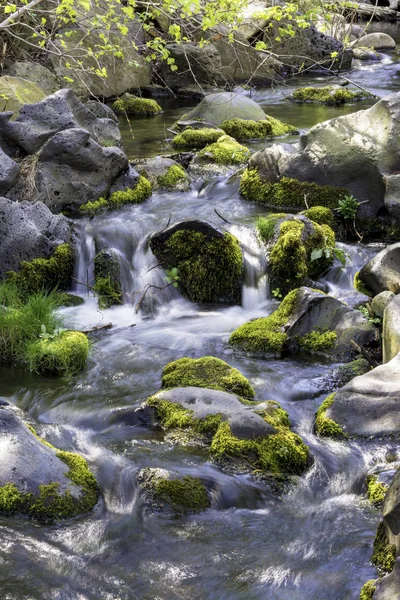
<point x="391" y="329"/>
<point x="391" y="512"/>
<point x="253" y="21"/>
<point x="9" y="172"/>
<point x="16" y="91"/>
<point x="369" y="405"/>
<point x="376" y="40"/>
<point x="388" y="587"/>
<point x="354" y="152"/>
<point x="209" y="263"/>
<point x="28" y="230"/>
<point x="382" y="272"/>
<point x="165" y="174"/>
<point x="38" y="480"/>
<point x="195" y="66"/>
<point x="63" y="110"/>
<point x="100" y="110"/>
<point x="36" y="73"/>
<point x="73" y="169"/>
<point x="224" y="106"/>
<point x="380" y="302"/>
<point x="367" y="54"/>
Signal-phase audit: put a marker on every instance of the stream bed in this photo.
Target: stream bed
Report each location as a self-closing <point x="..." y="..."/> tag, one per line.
<point x="314" y="543"/>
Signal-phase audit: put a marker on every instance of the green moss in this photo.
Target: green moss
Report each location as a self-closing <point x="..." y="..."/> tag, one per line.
<point x="321" y="215"/>
<point x="64" y="299"/>
<point x="173" y="176"/>
<point x="318" y="341"/>
<point x="328" y="95"/>
<point x="368" y="589"/>
<point x="225" y="151"/>
<point x="210" y="268"/>
<point x="361" y="287"/>
<point x="131" y="105"/>
<point x="63" y="354"/>
<point x="44" y="274"/>
<point x="384" y="555"/>
<point x="266" y="226"/>
<point x="376" y="491"/>
<point x="49" y="504"/>
<point x="265" y="335"/>
<point x="355" y="368"/>
<point x="136" y="195"/>
<point x="196" y="138"/>
<point x="206" y="372"/>
<point x="174" y="416"/>
<point x="282" y="452"/>
<point x="324" y="425"/>
<point x="242" y="129"/>
<point x="288" y="193"/>
<point x="107" y="276"/>
<point x="186" y="495"/>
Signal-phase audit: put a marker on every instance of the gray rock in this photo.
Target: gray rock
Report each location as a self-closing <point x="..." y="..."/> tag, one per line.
<point x="60" y="111"/>
<point x="156" y="168"/>
<point x="366" y="54"/>
<point x="243" y="421"/>
<point x="388" y="587"/>
<point x="391" y="328"/>
<point x="392" y="194"/>
<point x="216" y="108"/>
<point x="316" y="311"/>
<point x="380" y="302"/>
<point x="74" y="169"/>
<point x="100" y="110"/>
<point x="369" y="405"/>
<point x="382" y="272"/>
<point x="376" y="40"/>
<point x="204" y="62"/>
<point x="28" y="230"/>
<point x="16" y="91"/>
<point x="44" y="78"/>
<point x="391" y="512"/>
<point x="9" y="172"/>
<point x="127" y="179"/>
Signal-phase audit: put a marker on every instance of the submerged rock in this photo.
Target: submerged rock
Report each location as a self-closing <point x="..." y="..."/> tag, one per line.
<point x="209" y="263"/>
<point x="376" y="40"/>
<point x="223" y="106"/>
<point x="38" y="480"/>
<point x="382" y="272"/>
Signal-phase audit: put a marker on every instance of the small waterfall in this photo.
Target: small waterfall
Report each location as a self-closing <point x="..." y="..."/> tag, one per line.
<point x="85" y="253"/>
<point x="255" y="281"/>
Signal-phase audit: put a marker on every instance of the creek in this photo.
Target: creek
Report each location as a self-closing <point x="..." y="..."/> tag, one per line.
<point x="314" y="543"/>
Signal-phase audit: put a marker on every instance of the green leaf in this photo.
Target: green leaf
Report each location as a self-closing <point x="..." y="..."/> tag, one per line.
<point x="316" y="254"/>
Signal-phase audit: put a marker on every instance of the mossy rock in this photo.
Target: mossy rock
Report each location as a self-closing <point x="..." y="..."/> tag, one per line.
<point x="61" y="354"/>
<point x="196" y="138"/>
<point x="361" y="287"/>
<point x="206" y="372"/>
<point x="38" y="480"/>
<point x="368" y="589"/>
<point x="165" y="491"/>
<point x="384" y="555"/>
<point x="209" y="263"/>
<point x="45" y="274"/>
<point x="243" y="129"/>
<point x="299" y="249"/>
<point x="321" y="215"/>
<point x="330" y="95"/>
<point x="326" y="426"/>
<point x="132" y="105"/>
<point x="16" y="91"/>
<point x="289" y="193"/>
<point x="164" y="174"/>
<point x="225" y="151"/>
<point x="136" y="195"/>
<point x="64" y="299"/>
<point x="107" y="279"/>
<point x="225" y="106"/>
<point x="376" y="490"/>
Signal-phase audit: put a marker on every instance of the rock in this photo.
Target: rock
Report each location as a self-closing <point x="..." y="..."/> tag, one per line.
<point x="223" y="106"/>
<point x="120" y="77"/>
<point x="308" y="48"/>
<point x="169" y="491"/>
<point x="220" y="157"/>
<point x="133" y="105"/>
<point x="376" y="41"/>
<point x="205" y="62"/>
<point x="209" y="262"/>
<point x="28" y="230"/>
<point x="73" y="170"/>
<point x="36" y="73"/>
<point x="136" y="193"/>
<point x="100" y="110"/>
<point x="107" y="277"/>
<point x="330" y="95"/>
<point x="253" y="22"/>
<point x="366" y="54"/>
<point x="369" y="405"/>
<point x="388" y="587"/>
<point x="60" y="111"/>
<point x="391" y="512"/>
<point x="379" y="303"/>
<point x="9" y="172"/>
<point x="354" y="152"/>
<point x="69" y="488"/>
<point x="165" y="174"/>
<point x="16" y="91"/>
<point x="391" y="327"/>
<point x="382" y="272"/>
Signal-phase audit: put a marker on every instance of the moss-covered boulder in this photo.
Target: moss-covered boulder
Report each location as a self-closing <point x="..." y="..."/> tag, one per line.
<point x="225" y="151"/>
<point x="224" y="106"/>
<point x="244" y="129"/>
<point x="209" y="263"/>
<point x="38" y="480"/>
<point x="306" y="322"/>
<point x="321" y="215"/>
<point x="192" y="138"/>
<point x="107" y="278"/>
<point x="169" y="491"/>
<point x="299" y="250"/>
<point x="164" y="174"/>
<point x="331" y="95"/>
<point x="206" y="372"/>
<point x="17" y="91"/>
<point x="376" y="489"/>
<point x="135" y="195"/>
<point x="61" y="353"/>
<point x="240" y="437"/>
<point x="132" y="105"/>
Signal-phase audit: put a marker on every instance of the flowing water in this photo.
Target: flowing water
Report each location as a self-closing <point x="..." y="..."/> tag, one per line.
<point x="313" y="543"/>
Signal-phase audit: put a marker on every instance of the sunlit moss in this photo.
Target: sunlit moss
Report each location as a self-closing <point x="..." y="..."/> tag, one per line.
<point x="360" y="286"/>
<point x="384" y="555"/>
<point x="243" y="129"/>
<point x="225" y="151"/>
<point x="172" y="177"/>
<point x="328" y="95"/>
<point x="376" y="491"/>
<point x="135" y="195"/>
<point x="368" y="589"/>
<point x="63" y="354"/>
<point x="324" y="425"/>
<point x="131" y="105"/>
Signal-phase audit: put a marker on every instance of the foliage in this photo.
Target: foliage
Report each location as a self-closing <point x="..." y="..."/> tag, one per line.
<point x="172" y="276"/>
<point x="266" y="226"/>
<point x="348" y="207"/>
<point x="329" y="252"/>
<point x="371" y="319"/>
